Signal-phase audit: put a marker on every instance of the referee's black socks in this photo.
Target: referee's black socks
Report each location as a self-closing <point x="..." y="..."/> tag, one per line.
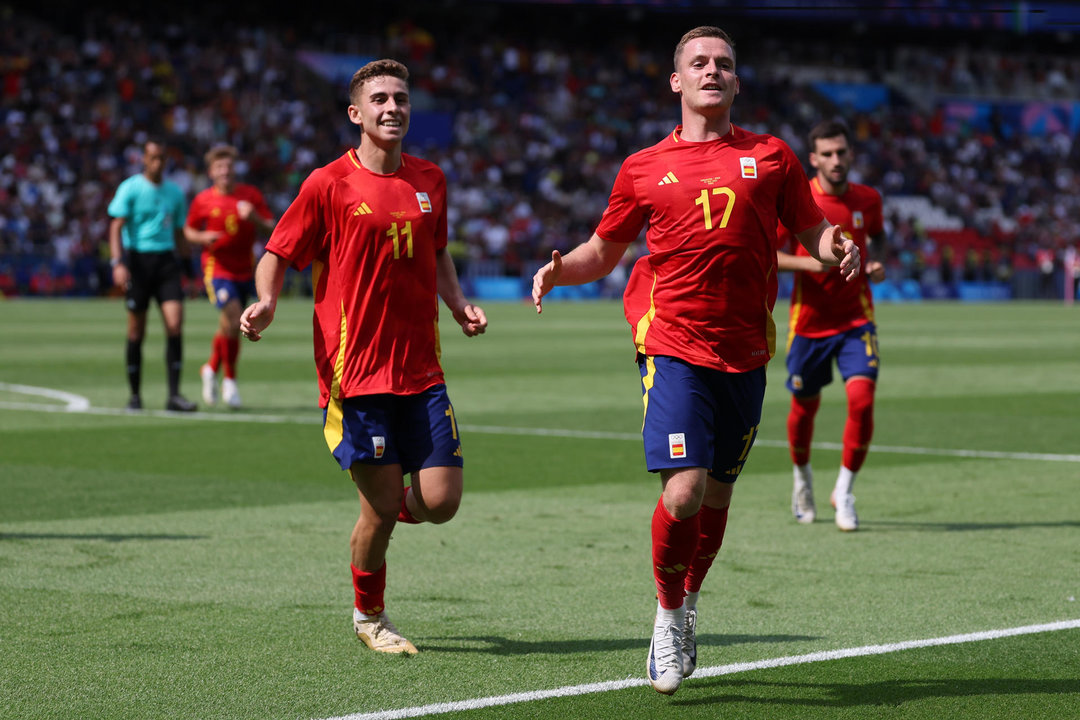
<point x="134" y="365"/>
<point x="174" y="354"/>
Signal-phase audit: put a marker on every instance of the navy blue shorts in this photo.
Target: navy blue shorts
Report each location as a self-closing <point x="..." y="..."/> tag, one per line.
<point x="699" y="417"/>
<point x="809" y="360"/>
<point x="222" y="290"/>
<point x="414" y="431"/>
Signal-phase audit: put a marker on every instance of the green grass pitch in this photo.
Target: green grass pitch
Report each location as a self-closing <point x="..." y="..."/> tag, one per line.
<point x="161" y="566"/>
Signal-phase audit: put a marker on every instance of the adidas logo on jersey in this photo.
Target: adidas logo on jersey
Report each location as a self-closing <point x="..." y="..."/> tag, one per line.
<point x="362" y="209"/>
<point x="668" y="179"/>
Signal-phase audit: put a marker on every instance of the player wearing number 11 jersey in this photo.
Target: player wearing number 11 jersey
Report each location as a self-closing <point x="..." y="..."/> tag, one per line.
<point x="699" y="307"/>
<point x="372" y="225"/>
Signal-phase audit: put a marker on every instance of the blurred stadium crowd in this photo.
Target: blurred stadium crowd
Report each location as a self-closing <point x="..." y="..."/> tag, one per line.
<point x="538" y="115"/>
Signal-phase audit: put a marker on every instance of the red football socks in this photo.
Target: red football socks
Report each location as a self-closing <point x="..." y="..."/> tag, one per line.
<point x="712" y="524"/>
<point x="859" y="427"/>
<point x="231" y="347"/>
<point x="369" y="588"/>
<point x="404" y="515"/>
<point x="800" y="427"/>
<point x="673" y="545"/>
<point x="217" y="352"/>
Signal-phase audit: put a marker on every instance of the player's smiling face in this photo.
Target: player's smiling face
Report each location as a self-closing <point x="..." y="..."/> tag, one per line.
<point x="705" y="75"/>
<point x="383" y="109"/>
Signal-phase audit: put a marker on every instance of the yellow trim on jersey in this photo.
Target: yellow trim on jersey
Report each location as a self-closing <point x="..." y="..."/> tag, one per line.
<point x="868" y="309"/>
<point x="332" y="428"/>
<point x="208" y="278"/>
<point x="796" y="308"/>
<point x="642" y="328"/>
<point x="770" y="330"/>
<point x="438" y="344"/>
<point x="647" y="383"/>
<point x="352" y="156"/>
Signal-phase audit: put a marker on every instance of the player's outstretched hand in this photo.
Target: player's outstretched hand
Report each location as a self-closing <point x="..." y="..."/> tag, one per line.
<point x="256" y="319"/>
<point x="875" y="271"/>
<point x="545" y="279"/>
<point x="847" y="252"/>
<point x="472" y="319"/>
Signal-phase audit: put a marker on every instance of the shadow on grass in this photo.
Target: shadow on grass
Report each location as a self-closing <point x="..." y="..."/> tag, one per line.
<point x="495" y="645"/>
<point x="964" y="527"/>
<point x="886" y="693"/>
<point x="105" y="537"/>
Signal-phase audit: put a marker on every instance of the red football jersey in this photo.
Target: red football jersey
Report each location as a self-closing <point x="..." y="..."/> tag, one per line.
<point x="706" y="290"/>
<point x="824" y="303"/>
<point x="371" y="241"/>
<point x="231" y="256"/>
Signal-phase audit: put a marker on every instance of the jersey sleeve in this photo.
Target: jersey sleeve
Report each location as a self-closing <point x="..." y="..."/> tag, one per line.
<point x="261" y="208"/>
<point x="797" y="209"/>
<point x="299" y="234"/>
<point x="875" y="223"/>
<point x="180" y="207"/>
<point x="120" y="205"/>
<point x="441" y="223"/>
<point x="624" y="217"/>
<point x="196" y="213"/>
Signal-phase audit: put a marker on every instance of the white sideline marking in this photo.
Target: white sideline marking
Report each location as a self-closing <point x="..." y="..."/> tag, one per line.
<point x="79" y="404"/>
<point x="75" y="403"/>
<point x="716" y="671"/>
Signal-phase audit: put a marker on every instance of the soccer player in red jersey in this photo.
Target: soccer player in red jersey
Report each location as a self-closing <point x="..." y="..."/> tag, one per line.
<point x="699" y="307"/>
<point x="833" y="320"/>
<point x="224" y="218"/>
<point x="372" y="224"/>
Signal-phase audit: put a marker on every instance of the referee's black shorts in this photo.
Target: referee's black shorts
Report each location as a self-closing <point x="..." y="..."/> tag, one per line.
<point x="153" y="275"/>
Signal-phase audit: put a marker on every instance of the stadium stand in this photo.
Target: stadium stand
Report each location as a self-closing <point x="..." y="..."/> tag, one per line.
<point x="973" y="146"/>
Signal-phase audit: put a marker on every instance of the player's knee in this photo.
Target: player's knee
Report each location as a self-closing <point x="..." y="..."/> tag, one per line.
<point x="443" y="511"/>
<point x="860" y="392"/>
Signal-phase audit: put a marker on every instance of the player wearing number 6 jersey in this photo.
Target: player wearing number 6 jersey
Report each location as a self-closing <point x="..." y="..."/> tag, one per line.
<point x="372" y="224"/>
<point x="223" y="218"/>
<point x="699" y="307"/>
<point x="833" y="321"/>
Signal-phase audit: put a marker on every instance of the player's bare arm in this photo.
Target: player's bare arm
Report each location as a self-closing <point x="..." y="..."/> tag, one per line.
<point x="245" y="210"/>
<point x="827" y="243"/>
<point x="121" y="275"/>
<point x="201" y="237"/>
<point x="470" y="317"/>
<point x="788" y="262"/>
<point x="587" y="262"/>
<point x="269" y="278"/>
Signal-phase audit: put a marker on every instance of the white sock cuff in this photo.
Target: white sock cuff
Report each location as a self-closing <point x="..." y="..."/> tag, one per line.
<point x="844" y="480"/>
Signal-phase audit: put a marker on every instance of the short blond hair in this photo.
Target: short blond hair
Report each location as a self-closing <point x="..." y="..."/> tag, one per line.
<point x="374" y="69"/>
<point x="220" y="152"/>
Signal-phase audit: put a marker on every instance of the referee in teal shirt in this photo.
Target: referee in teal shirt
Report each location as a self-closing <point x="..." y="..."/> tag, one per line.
<point x="144" y="237"/>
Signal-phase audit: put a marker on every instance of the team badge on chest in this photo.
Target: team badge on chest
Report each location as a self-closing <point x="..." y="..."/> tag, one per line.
<point x="425" y="202"/>
<point x="749" y="167"/>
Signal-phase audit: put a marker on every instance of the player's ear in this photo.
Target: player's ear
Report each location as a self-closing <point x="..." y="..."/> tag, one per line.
<point x="354" y="116"/>
<point x="676" y="86"/>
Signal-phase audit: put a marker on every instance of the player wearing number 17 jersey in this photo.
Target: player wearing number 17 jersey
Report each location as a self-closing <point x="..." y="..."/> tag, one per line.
<point x="833" y="321"/>
<point x="699" y="307"/>
<point x="372" y="225"/>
